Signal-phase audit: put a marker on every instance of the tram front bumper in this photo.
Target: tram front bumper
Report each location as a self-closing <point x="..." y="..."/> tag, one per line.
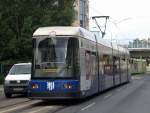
<point x="53" y="89"/>
<point x="48" y="95"/>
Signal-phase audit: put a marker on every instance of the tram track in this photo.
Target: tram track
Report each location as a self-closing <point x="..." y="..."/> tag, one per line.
<point x="37" y="106"/>
<point x="31" y="106"/>
<point x="43" y="109"/>
<point x="27" y="107"/>
<point x="17" y="103"/>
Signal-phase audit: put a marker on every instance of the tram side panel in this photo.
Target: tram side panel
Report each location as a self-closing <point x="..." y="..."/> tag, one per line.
<point x="127" y="73"/>
<point x="116" y="70"/>
<point x="88" y="64"/>
<point x="101" y="83"/>
<point x="107" y="67"/>
<point x="128" y="70"/>
<point x="108" y="73"/>
<point x="123" y="67"/>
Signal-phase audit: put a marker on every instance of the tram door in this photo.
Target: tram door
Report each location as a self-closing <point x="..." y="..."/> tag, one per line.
<point x="101" y="74"/>
<point x="116" y="70"/>
<point x="108" y="71"/>
<point x="123" y="66"/>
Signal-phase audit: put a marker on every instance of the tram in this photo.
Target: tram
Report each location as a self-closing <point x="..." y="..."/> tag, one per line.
<point x="138" y="66"/>
<point x="70" y="62"/>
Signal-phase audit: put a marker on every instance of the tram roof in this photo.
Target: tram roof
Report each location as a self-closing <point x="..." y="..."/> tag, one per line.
<point x="75" y="31"/>
<point x="63" y="31"/>
<point x="69" y="31"/>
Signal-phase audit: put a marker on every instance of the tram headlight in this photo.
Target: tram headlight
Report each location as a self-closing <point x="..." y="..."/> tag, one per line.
<point x="67" y="86"/>
<point x="34" y="86"/>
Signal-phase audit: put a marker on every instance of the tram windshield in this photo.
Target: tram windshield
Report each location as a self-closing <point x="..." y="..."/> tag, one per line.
<point x="55" y="57"/>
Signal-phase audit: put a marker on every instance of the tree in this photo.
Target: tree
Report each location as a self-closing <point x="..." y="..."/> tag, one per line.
<point x="19" y="19"/>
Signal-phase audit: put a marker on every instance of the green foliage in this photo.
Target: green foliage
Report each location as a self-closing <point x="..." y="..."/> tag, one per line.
<point x="20" y="18"/>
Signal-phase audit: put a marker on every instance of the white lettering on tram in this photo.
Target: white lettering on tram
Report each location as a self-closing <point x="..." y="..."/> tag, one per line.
<point x="50" y="86"/>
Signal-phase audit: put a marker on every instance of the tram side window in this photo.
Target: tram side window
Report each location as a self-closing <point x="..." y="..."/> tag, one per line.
<point x="107" y="64"/>
<point x="115" y="64"/>
<point x="72" y="59"/>
<point x="90" y="59"/>
<point x="123" y="64"/>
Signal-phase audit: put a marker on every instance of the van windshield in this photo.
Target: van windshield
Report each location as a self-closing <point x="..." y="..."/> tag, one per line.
<point x="20" y="69"/>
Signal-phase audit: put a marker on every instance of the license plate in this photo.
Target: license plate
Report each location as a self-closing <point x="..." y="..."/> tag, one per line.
<point x="18" y="89"/>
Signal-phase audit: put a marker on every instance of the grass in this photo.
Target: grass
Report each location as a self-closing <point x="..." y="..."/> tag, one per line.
<point x="1" y="79"/>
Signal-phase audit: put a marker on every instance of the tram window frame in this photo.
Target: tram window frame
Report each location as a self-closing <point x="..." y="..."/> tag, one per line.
<point x="76" y="58"/>
<point x="44" y="77"/>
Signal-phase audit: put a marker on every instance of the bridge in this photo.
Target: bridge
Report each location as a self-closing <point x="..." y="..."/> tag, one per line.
<point x="141" y="53"/>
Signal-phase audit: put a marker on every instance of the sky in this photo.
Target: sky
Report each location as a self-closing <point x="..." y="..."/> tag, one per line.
<point x="129" y="19"/>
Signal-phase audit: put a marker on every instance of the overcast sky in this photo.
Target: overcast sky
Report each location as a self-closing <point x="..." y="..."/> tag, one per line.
<point x="129" y="19"/>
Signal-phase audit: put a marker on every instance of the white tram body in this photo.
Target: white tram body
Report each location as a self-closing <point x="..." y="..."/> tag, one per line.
<point x="99" y="65"/>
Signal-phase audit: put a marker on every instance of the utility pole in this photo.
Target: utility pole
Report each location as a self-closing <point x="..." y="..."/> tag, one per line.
<point x="106" y="18"/>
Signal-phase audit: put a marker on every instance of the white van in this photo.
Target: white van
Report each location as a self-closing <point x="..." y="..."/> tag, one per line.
<point x="16" y="82"/>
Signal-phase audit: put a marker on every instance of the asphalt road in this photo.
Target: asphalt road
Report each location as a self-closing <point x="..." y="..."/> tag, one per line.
<point x="129" y="98"/>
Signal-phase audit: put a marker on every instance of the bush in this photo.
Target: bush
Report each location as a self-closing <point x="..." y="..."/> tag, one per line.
<point x="1" y="79"/>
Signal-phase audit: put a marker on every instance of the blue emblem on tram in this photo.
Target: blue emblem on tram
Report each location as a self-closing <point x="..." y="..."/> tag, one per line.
<point x="50" y="86"/>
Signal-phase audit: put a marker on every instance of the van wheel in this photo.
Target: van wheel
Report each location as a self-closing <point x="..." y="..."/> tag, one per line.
<point x="8" y="95"/>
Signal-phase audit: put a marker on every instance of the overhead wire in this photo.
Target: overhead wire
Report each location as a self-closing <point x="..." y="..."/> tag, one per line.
<point x="113" y="21"/>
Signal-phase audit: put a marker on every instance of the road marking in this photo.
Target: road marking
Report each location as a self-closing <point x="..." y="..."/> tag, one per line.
<point x="43" y="108"/>
<point x="18" y="107"/>
<point x="107" y="96"/>
<point x="88" y="106"/>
